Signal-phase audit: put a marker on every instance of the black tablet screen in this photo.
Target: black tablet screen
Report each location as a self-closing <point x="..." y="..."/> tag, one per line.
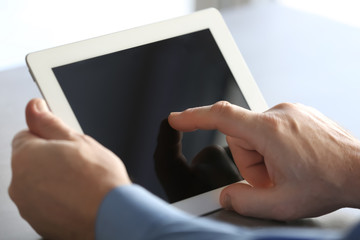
<point x="121" y="98"/>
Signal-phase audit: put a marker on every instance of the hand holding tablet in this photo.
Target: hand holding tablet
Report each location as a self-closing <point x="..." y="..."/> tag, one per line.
<point x="117" y="88"/>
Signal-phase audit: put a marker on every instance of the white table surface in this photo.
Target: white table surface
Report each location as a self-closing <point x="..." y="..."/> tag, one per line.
<point x="293" y="56"/>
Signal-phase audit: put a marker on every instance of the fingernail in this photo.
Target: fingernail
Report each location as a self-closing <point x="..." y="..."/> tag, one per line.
<point x="226" y="202"/>
<point x="41" y="106"/>
<point x="174" y="114"/>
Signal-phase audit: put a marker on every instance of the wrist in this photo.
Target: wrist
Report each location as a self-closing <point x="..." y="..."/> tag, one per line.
<point x="352" y="185"/>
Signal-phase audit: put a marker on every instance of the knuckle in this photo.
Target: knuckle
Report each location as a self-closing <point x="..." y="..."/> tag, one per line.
<point x="285" y="106"/>
<point x="69" y="134"/>
<point x="221" y="107"/>
<point x="11" y="191"/>
<point x="86" y="138"/>
<point x="19" y="157"/>
<point x="281" y="117"/>
<point x="299" y="105"/>
<point x="23" y="211"/>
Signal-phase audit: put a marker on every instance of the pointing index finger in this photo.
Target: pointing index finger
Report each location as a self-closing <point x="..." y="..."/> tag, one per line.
<point x="229" y="119"/>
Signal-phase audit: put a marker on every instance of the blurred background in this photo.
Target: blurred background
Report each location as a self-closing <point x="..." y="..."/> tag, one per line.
<point x="28" y="26"/>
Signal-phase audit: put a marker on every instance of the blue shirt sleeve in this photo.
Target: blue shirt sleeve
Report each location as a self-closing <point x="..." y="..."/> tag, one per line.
<point x="130" y="212"/>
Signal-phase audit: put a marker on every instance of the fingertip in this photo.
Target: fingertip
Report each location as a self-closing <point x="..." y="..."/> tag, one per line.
<point x="44" y="123"/>
<point x="172" y="118"/>
<point x="33" y="112"/>
<point x="34" y="109"/>
<point x="174" y="114"/>
<point x="235" y="197"/>
<point x="40" y="105"/>
<point x="225" y="198"/>
<point x="36" y="105"/>
<point x="225" y="201"/>
<point x="186" y="120"/>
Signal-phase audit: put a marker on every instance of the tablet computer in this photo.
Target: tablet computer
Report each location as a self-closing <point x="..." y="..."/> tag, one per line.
<point x="119" y="87"/>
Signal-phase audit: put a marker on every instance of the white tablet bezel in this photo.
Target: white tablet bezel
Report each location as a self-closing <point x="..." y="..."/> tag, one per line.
<point x="41" y="63"/>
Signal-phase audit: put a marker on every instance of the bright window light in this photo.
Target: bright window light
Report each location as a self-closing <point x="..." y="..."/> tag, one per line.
<point x="28" y="26"/>
<point x="345" y="11"/>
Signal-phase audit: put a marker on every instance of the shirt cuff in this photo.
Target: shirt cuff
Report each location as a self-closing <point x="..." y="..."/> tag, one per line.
<point x="130" y="212"/>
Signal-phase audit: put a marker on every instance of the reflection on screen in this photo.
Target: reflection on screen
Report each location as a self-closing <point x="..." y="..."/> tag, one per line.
<point x="121" y="98"/>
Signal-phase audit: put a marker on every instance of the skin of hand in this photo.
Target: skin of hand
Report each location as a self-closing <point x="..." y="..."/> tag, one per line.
<point x="60" y="176"/>
<point x="298" y="163"/>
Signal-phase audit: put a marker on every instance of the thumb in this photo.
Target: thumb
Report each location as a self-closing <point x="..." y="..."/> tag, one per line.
<point x="45" y="124"/>
<point x="266" y="203"/>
